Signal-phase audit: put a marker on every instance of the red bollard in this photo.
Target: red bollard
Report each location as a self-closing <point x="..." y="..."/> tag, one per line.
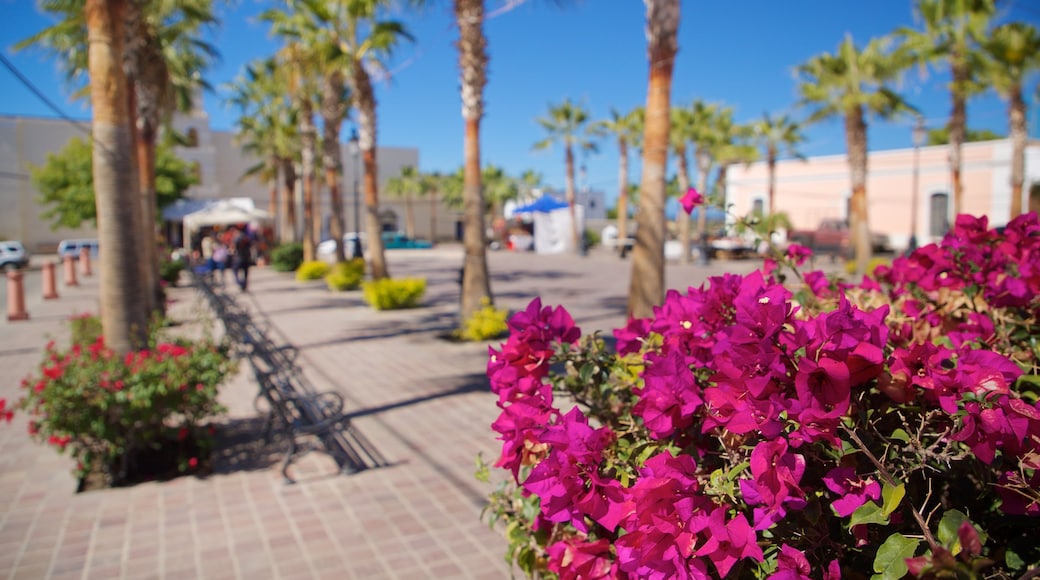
<point x="16" y="297"/>
<point x="50" y="285"/>
<point x="70" y="272"/>
<point x="84" y="262"/>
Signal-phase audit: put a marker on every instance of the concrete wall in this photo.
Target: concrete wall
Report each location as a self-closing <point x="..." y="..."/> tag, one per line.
<point x="819" y="187"/>
<point x="26" y="141"/>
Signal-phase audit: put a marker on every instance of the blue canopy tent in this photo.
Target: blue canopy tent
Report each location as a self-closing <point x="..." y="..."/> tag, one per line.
<point x="544" y="204"/>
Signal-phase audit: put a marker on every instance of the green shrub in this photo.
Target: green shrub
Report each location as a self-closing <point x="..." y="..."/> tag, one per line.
<point x="105" y="408"/>
<point x="314" y="270"/>
<point x="85" y="329"/>
<point x="592" y="238"/>
<point x="850" y="265"/>
<point x="287" y="257"/>
<point x="487" y="323"/>
<point x="346" y="275"/>
<point x="390" y="294"/>
<point x="170" y="271"/>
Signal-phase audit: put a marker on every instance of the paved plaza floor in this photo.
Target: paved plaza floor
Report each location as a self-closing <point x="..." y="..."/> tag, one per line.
<point x="422" y="400"/>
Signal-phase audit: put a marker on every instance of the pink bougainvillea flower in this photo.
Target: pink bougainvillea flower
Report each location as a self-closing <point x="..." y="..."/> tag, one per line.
<point x="776" y="475"/>
<point x="5" y="413"/>
<point x="728" y="541"/>
<point x="630" y="338"/>
<point x="670" y="395"/>
<point x="791" y="564"/>
<point x="798" y="253"/>
<point x="691" y="200"/>
<point x="852" y="489"/>
<point x="577" y="559"/>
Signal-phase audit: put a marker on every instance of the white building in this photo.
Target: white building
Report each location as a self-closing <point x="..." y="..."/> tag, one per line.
<point x="220" y="166"/>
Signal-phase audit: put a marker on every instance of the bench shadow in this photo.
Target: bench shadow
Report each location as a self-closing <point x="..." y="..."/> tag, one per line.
<point x="240" y="446"/>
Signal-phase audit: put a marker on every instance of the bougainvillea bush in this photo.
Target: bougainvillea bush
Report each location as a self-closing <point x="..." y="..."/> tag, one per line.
<point x="785" y="425"/>
<point x="107" y="409"/>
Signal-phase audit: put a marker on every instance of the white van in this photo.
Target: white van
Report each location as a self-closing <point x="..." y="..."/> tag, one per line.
<point x="72" y="248"/>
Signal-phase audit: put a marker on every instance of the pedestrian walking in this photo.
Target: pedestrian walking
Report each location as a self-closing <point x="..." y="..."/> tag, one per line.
<point x="241" y="258"/>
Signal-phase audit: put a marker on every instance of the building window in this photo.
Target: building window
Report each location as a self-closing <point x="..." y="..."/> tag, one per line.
<point x="758" y="207"/>
<point x="939" y="215"/>
<point x="388" y="220"/>
<point x="192" y="138"/>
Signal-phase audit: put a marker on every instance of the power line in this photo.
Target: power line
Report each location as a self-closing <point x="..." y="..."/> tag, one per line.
<point x="39" y="94"/>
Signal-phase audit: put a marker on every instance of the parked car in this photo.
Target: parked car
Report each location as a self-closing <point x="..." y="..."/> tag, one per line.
<point x="72" y="247"/>
<point x="326" y="250"/>
<point x="13" y="255"/>
<point x="397" y="240"/>
<point x="832" y="237"/>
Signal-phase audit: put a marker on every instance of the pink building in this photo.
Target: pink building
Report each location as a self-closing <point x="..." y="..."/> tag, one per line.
<point x="818" y="188"/>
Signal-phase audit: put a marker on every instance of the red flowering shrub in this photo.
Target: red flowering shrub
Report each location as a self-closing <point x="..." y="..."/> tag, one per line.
<point x="748" y="431"/>
<point x="105" y="409"/>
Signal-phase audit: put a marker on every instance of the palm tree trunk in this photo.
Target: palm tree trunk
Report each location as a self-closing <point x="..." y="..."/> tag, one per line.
<point x="622" y="203"/>
<point x="771" y="165"/>
<point x="569" y="165"/>
<point x="859" y="226"/>
<point x="365" y="103"/>
<point x="124" y="316"/>
<point x="647" y="284"/>
<point x="409" y="216"/>
<point x="1017" y="123"/>
<point x="703" y="170"/>
<point x="958" y="119"/>
<point x="333" y="169"/>
<point x="272" y="198"/>
<point x="683" y="217"/>
<point x="433" y="216"/>
<point x="473" y="60"/>
<point x="291" y="232"/>
<point x="307" y="153"/>
<point x="149" y="207"/>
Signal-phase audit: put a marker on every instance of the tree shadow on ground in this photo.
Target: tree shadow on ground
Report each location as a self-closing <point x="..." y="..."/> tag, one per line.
<point x="434" y="323"/>
<point x="520" y="275"/>
<point x="471" y="383"/>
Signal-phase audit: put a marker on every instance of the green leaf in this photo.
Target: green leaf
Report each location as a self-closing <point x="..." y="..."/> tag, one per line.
<point x="890" y="561"/>
<point x="891" y="496"/>
<point x="868" y="513"/>
<point x="1013" y="560"/>
<point x="948" y="526"/>
<point x="900" y="435"/>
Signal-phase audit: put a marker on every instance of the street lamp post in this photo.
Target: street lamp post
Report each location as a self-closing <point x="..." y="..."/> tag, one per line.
<point x="918" y="135"/>
<point x="355" y="151"/>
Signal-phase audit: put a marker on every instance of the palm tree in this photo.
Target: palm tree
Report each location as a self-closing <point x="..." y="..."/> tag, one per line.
<point x="626" y="129"/>
<point x="568" y="124"/>
<point x="163" y="57"/>
<point x="404" y="186"/>
<point x="683" y="132"/>
<point x="473" y="60"/>
<point x="852" y="83"/>
<point x="777" y="134"/>
<point x="711" y="122"/>
<point x="646" y="287"/>
<point x="951" y="31"/>
<point x="124" y="312"/>
<point x="1013" y="51"/>
<point x="431" y="185"/>
<point x="266" y="129"/>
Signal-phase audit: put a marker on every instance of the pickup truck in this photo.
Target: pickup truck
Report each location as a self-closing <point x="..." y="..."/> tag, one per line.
<point x="832" y="237"/>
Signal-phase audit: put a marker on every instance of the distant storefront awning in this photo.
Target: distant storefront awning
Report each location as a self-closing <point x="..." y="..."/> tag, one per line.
<point x="184" y="207"/>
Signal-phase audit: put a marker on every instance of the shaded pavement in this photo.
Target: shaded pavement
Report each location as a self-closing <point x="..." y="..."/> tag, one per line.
<point x="422" y="400"/>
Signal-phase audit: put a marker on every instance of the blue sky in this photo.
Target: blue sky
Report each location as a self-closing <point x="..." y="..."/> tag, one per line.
<point x="738" y="52"/>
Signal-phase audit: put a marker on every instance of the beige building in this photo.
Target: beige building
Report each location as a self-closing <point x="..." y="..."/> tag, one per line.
<point x="819" y="188"/>
<point x="220" y="165"/>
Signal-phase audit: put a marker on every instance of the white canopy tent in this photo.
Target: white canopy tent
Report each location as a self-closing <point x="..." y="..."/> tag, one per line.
<point x="224" y="212"/>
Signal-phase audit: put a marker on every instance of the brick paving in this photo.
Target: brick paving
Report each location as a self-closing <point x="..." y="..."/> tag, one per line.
<point x="422" y="400"/>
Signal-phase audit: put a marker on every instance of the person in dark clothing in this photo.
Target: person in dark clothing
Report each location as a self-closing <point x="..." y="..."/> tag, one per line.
<point x="241" y="258"/>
